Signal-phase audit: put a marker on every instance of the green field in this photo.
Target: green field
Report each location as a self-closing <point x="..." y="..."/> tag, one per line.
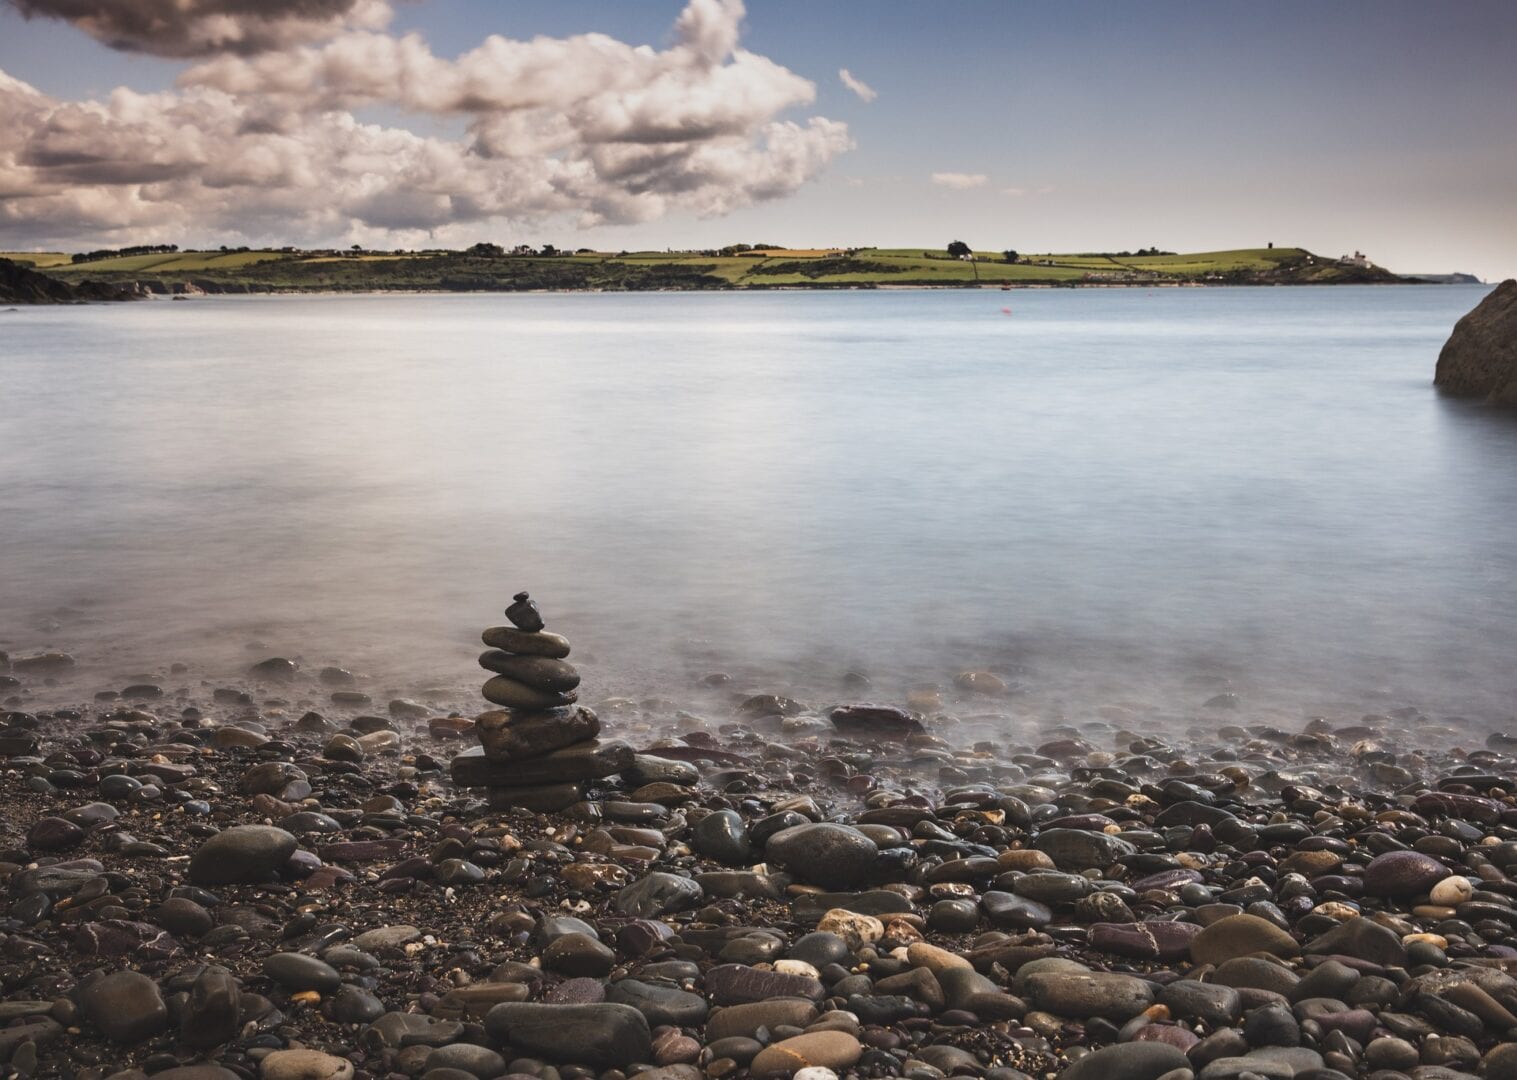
<point x="280" y="271"/>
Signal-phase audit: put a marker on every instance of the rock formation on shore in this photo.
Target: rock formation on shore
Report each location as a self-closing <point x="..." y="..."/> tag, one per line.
<point x="1480" y="357"/>
<point x="20" y="284"/>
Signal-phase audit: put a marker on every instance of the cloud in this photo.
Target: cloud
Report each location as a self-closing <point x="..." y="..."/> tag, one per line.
<point x="185" y="28"/>
<point x="960" y="181"/>
<point x="1014" y="192"/>
<point x="857" y="85"/>
<point x="268" y="147"/>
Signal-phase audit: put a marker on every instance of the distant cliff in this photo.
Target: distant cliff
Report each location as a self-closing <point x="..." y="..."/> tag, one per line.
<point x="1480" y="358"/>
<point x="20" y="284"/>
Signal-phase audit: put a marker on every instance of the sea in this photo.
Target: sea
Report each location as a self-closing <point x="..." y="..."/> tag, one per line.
<point x="1109" y="498"/>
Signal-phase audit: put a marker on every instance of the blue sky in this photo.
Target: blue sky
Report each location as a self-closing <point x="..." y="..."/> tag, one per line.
<point x="1384" y="126"/>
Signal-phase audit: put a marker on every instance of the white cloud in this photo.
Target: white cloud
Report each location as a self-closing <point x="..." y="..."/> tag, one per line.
<point x="267" y="146"/>
<point x="1014" y="192"/>
<point x="960" y="181"/>
<point x="857" y="85"/>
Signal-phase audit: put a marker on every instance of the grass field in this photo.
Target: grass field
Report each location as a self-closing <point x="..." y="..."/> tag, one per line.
<point x="274" y="271"/>
<point x="42" y="260"/>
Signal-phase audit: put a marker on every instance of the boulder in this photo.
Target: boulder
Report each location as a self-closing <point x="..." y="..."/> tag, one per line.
<point x="1480" y="358"/>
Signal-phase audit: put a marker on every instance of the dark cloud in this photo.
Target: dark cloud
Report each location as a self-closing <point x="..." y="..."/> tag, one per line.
<point x="184" y="28"/>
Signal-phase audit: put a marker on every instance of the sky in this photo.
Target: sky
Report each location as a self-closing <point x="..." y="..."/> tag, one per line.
<point x="1376" y="125"/>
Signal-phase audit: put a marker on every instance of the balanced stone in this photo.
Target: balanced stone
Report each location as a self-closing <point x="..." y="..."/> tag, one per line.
<point x="518" y="695"/>
<point x="512" y="640"/>
<point x="511" y="734"/>
<point x="540" y="798"/>
<point x="524" y="614"/>
<point x="539" y="672"/>
<point x="587" y="760"/>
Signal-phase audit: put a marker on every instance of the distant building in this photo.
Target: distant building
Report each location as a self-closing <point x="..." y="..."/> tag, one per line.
<point x="1358" y="258"/>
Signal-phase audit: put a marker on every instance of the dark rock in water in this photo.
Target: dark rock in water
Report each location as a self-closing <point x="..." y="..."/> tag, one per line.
<point x="275" y="669"/>
<point x="738" y="984"/>
<point x="658" y="894"/>
<point x="524" y="614"/>
<point x="1403" y="873"/>
<point x="541" y="673"/>
<point x="582" y="761"/>
<point x="721" y="835"/>
<point x="1480" y="357"/>
<point x="875" y="721"/>
<point x="511" y="694"/>
<point x="509" y="734"/>
<point x="1081" y="849"/>
<point x="832" y="856"/>
<point x="603" y="1036"/>
<point x="242" y="855"/>
<point x="125" y="1006"/>
<point x="512" y="640"/>
<point x="1128" y="1061"/>
<point x="1362" y="938"/>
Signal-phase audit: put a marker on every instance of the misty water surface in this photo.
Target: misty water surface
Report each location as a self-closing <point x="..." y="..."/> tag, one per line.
<point x="1099" y="492"/>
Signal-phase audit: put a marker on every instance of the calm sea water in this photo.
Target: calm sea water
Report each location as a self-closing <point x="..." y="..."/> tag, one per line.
<point x="1097" y="493"/>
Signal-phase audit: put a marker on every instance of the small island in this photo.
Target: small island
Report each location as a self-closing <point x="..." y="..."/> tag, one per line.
<point x="487" y="267"/>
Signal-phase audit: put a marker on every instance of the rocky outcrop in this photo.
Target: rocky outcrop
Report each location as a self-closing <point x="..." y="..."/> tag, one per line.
<point x="20" y="284"/>
<point x="1480" y="358"/>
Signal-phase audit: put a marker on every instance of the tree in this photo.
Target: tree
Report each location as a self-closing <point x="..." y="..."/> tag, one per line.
<point x="958" y="249"/>
<point x="486" y="250"/>
<point x="549" y="249"/>
<point x="1009" y="256"/>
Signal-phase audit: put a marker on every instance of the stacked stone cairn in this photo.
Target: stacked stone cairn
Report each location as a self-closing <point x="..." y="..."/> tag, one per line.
<point x="539" y="749"/>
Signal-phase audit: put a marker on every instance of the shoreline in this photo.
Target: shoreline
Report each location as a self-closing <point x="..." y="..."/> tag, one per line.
<point x="771" y="883"/>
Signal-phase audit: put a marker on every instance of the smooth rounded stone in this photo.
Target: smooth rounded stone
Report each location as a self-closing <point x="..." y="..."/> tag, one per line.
<point x="354" y="1005"/>
<point x="1009" y="909"/>
<point x="739" y="1049"/>
<point x="1144" y="940"/>
<point x="587" y="760"/>
<point x="342" y="747"/>
<point x="649" y="768"/>
<point x="1452" y="891"/>
<point x="722" y="836"/>
<point x="737" y="984"/>
<point x="53" y="834"/>
<point x="125" y="1006"/>
<point x="825" y="854"/>
<point x="1053" y="887"/>
<point x="662" y="1005"/>
<point x="953" y="916"/>
<point x="541" y="673"/>
<point x="835" y="1050"/>
<point x="856" y="930"/>
<point x="1329" y="979"/>
<point x="819" y="949"/>
<point x="604" y="1036"/>
<point x="540" y="643"/>
<point x="579" y="955"/>
<point x="1256" y="973"/>
<point x="542" y="799"/>
<point x="1081" y="849"/>
<point x="1402" y="873"/>
<point x="242" y="855"/>
<point x="510" y="734"/>
<point x="304" y="1065"/>
<point x="1241" y="935"/>
<point x="212" y="1014"/>
<point x="1362" y="938"/>
<point x="476" y="1061"/>
<point x="1271" y="1025"/>
<point x="1187" y="999"/>
<point x="1499" y="1064"/>
<point x="275" y="669"/>
<point x="876" y="722"/>
<point x="739" y="883"/>
<point x="1068" y="993"/>
<point x="658" y="894"/>
<point x="745" y="1020"/>
<point x="1128" y="1061"/>
<point x="387" y="938"/>
<point x="510" y="694"/>
<point x="182" y="917"/>
<point x="296" y="972"/>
